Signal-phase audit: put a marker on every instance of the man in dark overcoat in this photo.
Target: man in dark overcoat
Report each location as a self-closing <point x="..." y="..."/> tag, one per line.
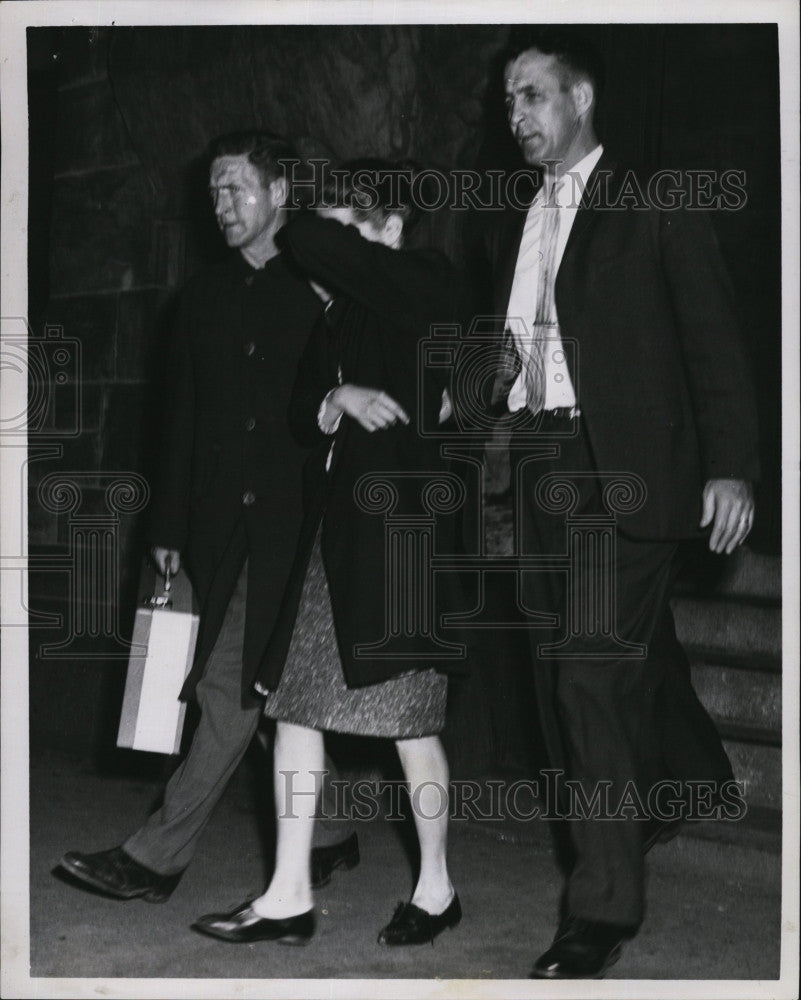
<point x="629" y="389"/>
<point x="227" y="502"/>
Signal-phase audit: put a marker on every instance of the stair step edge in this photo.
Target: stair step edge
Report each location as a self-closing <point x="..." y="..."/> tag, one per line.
<point x="743" y="732"/>
<point x="711" y="656"/>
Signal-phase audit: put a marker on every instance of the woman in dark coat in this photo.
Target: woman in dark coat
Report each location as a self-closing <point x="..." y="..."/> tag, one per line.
<point x="359" y="401"/>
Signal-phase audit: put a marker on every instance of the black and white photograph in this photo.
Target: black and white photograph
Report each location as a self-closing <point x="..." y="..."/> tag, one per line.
<point x="399" y="555"/>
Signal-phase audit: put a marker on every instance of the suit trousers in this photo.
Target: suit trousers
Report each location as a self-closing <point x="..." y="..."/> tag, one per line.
<point x="615" y="719"/>
<point x="167" y="841"/>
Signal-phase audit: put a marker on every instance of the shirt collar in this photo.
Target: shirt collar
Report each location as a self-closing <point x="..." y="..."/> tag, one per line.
<point x="575" y="180"/>
<point x="570" y="186"/>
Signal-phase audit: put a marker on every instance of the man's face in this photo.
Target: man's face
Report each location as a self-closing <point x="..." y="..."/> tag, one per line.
<point x="244" y="208"/>
<point x="540" y="107"/>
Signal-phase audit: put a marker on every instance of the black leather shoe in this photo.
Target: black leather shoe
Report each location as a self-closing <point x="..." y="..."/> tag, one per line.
<point x="411" y="925"/>
<point x="582" y="949"/>
<point x="325" y="860"/>
<point x="243" y="925"/>
<point x="116" y="873"/>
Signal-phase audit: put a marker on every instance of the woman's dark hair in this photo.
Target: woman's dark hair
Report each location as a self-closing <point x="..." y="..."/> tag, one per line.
<point x="571" y="44"/>
<point x="263" y="149"/>
<point x="375" y="188"/>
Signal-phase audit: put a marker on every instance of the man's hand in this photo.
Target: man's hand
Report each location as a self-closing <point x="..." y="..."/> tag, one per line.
<point x="166" y="559"/>
<point x="728" y="505"/>
<point x="371" y="408"/>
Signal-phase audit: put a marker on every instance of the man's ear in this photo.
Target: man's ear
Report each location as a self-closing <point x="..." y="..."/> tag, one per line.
<point x="583" y="96"/>
<point x="279" y="192"/>
<point x="392" y="230"/>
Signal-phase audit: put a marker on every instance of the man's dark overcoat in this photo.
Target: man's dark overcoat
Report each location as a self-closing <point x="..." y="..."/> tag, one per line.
<point x="229" y="484"/>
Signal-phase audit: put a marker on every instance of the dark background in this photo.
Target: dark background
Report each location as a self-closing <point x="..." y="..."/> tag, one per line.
<point x="119" y="119"/>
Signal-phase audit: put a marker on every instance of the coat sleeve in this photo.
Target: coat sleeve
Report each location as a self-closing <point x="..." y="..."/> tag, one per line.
<point x="312" y="383"/>
<point x="714" y="355"/>
<point x="169" y="515"/>
<point x="404" y="287"/>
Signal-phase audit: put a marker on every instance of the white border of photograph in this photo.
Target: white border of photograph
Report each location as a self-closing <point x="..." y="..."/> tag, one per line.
<point x="14" y="18"/>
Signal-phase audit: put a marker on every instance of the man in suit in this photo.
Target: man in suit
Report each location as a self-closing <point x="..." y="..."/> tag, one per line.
<point x="227" y="503"/>
<point x="621" y="362"/>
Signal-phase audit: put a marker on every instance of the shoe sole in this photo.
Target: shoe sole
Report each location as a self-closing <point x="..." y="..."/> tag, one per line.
<point x="148" y="895"/>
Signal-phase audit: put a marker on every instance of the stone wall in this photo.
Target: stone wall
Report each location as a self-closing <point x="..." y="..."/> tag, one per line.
<point x="129" y="113"/>
<point x="119" y="215"/>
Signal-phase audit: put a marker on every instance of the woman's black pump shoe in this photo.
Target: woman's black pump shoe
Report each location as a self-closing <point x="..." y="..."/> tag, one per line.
<point x="244" y="925"/>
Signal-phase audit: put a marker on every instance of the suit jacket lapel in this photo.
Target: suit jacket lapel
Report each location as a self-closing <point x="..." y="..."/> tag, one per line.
<point x="511" y="232"/>
<point x="589" y="204"/>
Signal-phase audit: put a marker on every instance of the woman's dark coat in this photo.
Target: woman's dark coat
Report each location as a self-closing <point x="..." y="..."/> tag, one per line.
<point x="385" y="302"/>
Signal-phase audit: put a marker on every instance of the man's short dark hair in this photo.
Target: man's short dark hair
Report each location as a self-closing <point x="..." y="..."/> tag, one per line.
<point x="263" y="149"/>
<point x="572" y="46"/>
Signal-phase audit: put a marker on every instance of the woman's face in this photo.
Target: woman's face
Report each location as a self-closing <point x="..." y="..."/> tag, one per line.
<point x="384" y="232"/>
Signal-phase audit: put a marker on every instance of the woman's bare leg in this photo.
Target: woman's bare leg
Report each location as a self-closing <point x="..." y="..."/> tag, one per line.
<point x="426" y="770"/>
<point x="297" y="755"/>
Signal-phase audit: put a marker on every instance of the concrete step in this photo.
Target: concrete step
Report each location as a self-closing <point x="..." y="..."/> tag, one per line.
<point x="760" y="829"/>
<point x="744" y="574"/>
<point x="744" y="732"/>
<point x="738" y="695"/>
<point x="749" y="574"/>
<point x="760" y="768"/>
<point x="743" y="694"/>
<point x="732" y="626"/>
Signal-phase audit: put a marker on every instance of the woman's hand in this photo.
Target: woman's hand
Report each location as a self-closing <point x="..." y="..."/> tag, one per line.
<point x="371" y="408"/>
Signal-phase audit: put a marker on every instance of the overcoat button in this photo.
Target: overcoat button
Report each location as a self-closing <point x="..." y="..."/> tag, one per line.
<point x="250" y="424"/>
<point x="248" y="498"/>
<point x="249" y="349"/>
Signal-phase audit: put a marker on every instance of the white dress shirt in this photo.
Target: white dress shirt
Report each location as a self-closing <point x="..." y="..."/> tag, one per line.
<point x="559" y="389"/>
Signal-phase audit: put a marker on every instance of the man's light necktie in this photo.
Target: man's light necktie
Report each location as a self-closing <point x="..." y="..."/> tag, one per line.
<point x="544" y="325"/>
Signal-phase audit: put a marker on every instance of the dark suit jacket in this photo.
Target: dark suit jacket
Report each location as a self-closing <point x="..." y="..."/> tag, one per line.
<point x="661" y="374"/>
<point x="229" y="484"/>
<point x="384" y="303"/>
